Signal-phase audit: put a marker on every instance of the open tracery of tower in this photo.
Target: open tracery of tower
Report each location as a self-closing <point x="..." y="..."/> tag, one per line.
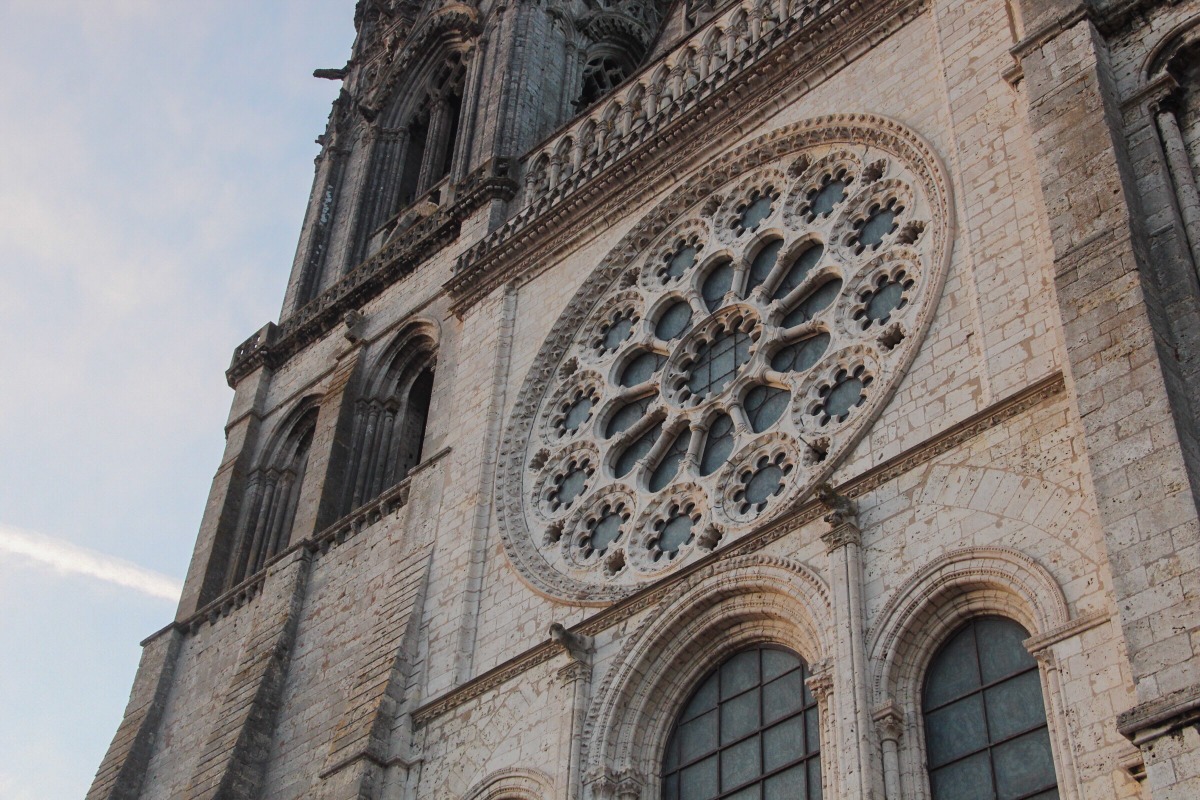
<point x="694" y="399"/>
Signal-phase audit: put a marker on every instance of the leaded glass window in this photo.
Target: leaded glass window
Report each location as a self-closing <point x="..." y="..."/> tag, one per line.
<point x="985" y="721"/>
<point x="749" y="731"/>
<point x="717" y="284"/>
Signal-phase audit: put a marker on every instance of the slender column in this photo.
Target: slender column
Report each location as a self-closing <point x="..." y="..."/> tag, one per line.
<point x="365" y="454"/>
<point x="384" y="467"/>
<point x="843" y="545"/>
<point x="1183" y="177"/>
<point x="260" y="526"/>
<point x="1056" y="720"/>
<point x="435" y="148"/>
<point x="889" y="724"/>
<point x="820" y="683"/>
<point x="240" y="550"/>
<point x="461" y="163"/>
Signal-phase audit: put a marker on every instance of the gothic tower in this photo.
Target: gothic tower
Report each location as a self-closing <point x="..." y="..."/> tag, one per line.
<point x="714" y="399"/>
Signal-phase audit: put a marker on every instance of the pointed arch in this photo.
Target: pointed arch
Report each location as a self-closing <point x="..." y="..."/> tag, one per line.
<point x="272" y="493"/>
<point x="392" y="414"/>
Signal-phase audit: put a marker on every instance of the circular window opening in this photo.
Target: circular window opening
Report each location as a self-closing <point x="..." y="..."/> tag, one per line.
<point x="718" y="362"/>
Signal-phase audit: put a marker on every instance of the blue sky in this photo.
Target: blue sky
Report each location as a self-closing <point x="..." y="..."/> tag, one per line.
<point x="155" y="160"/>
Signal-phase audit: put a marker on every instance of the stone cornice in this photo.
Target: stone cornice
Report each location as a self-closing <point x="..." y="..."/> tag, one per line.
<point x="803" y="52"/>
<point x="998" y="413"/>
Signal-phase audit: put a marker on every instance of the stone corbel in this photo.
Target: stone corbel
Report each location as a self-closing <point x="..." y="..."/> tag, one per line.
<point x="576" y="645"/>
<point x="356" y="326"/>
<point x="842" y="518"/>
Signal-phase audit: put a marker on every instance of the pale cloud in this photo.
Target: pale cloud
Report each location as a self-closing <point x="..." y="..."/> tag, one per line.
<point x="71" y="559"/>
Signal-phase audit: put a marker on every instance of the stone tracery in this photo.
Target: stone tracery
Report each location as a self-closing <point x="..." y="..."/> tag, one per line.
<point x="729" y="362"/>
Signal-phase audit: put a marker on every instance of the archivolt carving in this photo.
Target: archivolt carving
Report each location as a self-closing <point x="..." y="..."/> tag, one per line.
<point x="513" y="784"/>
<point x="935" y="600"/>
<point x="713" y="613"/>
<point x="782" y="306"/>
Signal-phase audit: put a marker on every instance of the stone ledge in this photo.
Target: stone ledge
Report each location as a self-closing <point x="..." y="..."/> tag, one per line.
<point x="1156" y="718"/>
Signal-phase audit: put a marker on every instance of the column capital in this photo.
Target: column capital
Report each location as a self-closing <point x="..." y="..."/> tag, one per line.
<point x="889" y="721"/>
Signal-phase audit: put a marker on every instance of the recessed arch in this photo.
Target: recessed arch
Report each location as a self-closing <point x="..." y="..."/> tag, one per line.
<point x="518" y="783"/>
<point x="392" y="415"/>
<point x="720" y="610"/>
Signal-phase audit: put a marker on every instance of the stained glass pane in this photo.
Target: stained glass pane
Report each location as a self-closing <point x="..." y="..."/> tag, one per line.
<point x="1023" y="765"/>
<point x="955" y="670"/>
<point x="698" y="737"/>
<point x="636" y="450"/>
<point x="629" y="414"/>
<point x="763" y="484"/>
<point x="884" y="301"/>
<point x="739" y="716"/>
<point x="969" y="779"/>
<point x="783" y="696"/>
<point x="671" y="788"/>
<point x="755" y="213"/>
<point x="617" y="332"/>
<point x="801" y="355"/>
<point x="829" y="196"/>
<point x="756" y="759"/>
<point x="681" y="262"/>
<point x="784" y="743"/>
<point x="1015" y="705"/>
<point x="675" y="534"/>
<point x="1001" y="649"/>
<point x="699" y="781"/>
<point x="878" y="225"/>
<point x="717" y="284"/>
<point x="761" y="266"/>
<point x="607" y="530"/>
<point x="674" y="321"/>
<point x="812" y="731"/>
<point x="980" y="738"/>
<point x="640" y="369"/>
<point x="955" y="730"/>
<point x="845" y="395"/>
<point x="669" y="465"/>
<point x="799" y="269"/>
<point x="787" y="785"/>
<point x="764" y="405"/>
<point x="718" y="362"/>
<point x="577" y="414"/>
<point x="718" y="445"/>
<point x="777" y="662"/>
<point x="571" y="486"/>
<point x="739" y="673"/>
<point x="704" y="698"/>
<point x="740" y="763"/>
<point x="815" y="303"/>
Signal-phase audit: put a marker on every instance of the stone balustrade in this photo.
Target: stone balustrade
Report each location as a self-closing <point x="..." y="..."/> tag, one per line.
<point x="702" y="63"/>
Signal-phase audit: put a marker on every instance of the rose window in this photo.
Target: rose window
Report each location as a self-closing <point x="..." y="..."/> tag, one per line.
<point x="712" y="378"/>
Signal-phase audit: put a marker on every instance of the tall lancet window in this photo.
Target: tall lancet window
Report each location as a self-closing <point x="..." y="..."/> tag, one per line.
<point x="749" y="731"/>
<point x="390" y="422"/>
<point x="414" y="148"/>
<point x="985" y="723"/>
<point x="272" y="494"/>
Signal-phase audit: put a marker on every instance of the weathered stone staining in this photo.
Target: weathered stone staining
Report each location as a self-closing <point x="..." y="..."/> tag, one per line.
<point x="701" y="400"/>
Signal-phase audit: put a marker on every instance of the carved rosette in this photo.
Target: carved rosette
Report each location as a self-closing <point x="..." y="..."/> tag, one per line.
<point x="725" y="356"/>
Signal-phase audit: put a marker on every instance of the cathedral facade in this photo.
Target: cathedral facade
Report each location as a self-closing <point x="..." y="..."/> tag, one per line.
<point x="695" y="399"/>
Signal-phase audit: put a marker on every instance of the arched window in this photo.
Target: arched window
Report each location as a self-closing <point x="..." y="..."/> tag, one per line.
<point x="749" y="731"/>
<point x="389" y="424"/>
<point x="985" y="722"/>
<point x="272" y="493"/>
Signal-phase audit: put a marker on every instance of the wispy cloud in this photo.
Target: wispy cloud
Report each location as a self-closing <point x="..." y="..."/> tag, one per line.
<point x="71" y="559"/>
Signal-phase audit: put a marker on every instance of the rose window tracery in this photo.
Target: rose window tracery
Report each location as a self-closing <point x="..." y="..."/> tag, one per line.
<point x="720" y="372"/>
